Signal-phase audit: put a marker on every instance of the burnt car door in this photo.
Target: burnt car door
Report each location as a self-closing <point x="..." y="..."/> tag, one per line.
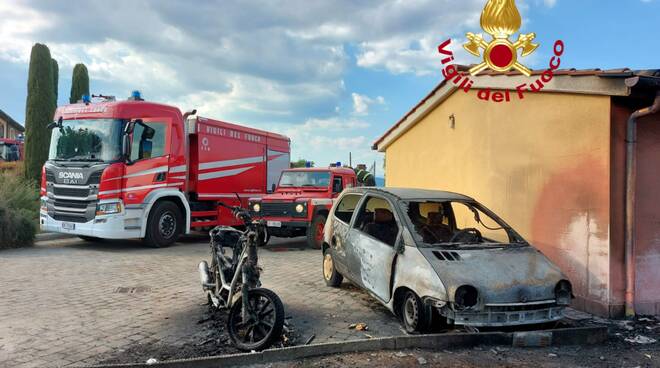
<point x="341" y="237"/>
<point x="375" y="232"/>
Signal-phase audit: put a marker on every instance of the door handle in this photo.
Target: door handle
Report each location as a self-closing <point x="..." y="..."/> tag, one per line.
<point x="160" y="177"/>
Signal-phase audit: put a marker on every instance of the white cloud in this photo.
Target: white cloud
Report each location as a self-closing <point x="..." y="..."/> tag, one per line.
<point x="18" y="23"/>
<point x="329" y="139"/>
<point x="259" y="63"/>
<point x="361" y="103"/>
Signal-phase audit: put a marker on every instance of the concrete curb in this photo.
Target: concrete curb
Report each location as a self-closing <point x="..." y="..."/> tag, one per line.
<point x="565" y="336"/>
<point x="42" y="237"/>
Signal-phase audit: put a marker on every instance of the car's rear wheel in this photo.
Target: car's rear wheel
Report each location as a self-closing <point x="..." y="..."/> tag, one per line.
<point x="330" y="274"/>
<point x="414" y="315"/>
<point x="315" y="232"/>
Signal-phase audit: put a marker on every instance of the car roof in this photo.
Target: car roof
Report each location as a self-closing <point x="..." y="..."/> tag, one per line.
<point x="412" y="193"/>
<point x="338" y="170"/>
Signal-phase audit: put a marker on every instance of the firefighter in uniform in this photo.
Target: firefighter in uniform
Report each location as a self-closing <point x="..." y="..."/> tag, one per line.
<point x="364" y="177"/>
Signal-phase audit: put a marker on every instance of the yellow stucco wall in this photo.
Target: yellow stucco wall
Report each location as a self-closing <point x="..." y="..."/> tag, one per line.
<point x="541" y="163"/>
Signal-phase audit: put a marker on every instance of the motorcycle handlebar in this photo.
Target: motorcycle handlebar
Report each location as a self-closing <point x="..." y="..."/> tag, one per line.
<point x="239" y="212"/>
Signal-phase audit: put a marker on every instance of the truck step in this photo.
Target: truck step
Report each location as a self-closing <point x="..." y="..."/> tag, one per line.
<point x="204" y="214"/>
<point x="203" y="223"/>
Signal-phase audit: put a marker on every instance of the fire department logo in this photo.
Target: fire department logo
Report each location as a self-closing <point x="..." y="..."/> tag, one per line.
<point x="500" y="19"/>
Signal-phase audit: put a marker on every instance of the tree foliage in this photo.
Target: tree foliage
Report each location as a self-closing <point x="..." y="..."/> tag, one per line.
<point x="79" y="83"/>
<point x="56" y="78"/>
<point x="39" y="110"/>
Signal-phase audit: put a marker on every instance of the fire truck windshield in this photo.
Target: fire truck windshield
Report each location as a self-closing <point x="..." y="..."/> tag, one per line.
<point x="94" y="140"/>
<point x="305" y="179"/>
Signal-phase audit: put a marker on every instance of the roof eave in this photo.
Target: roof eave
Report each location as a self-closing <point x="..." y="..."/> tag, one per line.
<point x="575" y="84"/>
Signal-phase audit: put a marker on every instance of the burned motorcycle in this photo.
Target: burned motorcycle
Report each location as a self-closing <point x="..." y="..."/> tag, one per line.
<point x="256" y="314"/>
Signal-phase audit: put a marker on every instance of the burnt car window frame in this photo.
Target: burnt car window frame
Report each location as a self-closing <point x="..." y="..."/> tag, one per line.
<point x="363" y="202"/>
<point x="357" y="205"/>
<point x="404" y="203"/>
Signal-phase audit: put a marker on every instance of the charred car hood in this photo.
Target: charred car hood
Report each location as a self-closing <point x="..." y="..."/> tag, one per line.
<point x="511" y="274"/>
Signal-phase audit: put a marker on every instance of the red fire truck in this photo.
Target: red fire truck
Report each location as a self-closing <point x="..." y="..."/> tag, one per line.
<point x="300" y="204"/>
<point x="137" y="169"/>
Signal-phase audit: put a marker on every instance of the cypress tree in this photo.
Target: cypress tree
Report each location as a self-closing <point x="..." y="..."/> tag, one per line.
<point x="56" y="78"/>
<point x="79" y="83"/>
<point x="39" y="111"/>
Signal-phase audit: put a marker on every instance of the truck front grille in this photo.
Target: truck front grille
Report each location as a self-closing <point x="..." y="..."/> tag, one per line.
<point x="276" y="209"/>
<point x="72" y="201"/>
<point x="71" y="192"/>
<point x="69" y="218"/>
<point x="71" y="204"/>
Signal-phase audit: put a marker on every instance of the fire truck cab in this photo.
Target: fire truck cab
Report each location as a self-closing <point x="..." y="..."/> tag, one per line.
<point x="301" y="203"/>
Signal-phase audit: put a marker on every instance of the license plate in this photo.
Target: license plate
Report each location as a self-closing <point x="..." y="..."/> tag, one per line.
<point x="274" y="223"/>
<point x="68" y="226"/>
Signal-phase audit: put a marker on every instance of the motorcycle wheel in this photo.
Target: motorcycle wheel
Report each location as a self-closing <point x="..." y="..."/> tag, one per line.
<point x="265" y="329"/>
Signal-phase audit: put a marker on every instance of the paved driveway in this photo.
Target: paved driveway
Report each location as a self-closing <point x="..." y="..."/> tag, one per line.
<point x="69" y="302"/>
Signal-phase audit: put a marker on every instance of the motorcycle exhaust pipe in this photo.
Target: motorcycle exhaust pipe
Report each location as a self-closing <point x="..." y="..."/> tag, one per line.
<point x="204" y="276"/>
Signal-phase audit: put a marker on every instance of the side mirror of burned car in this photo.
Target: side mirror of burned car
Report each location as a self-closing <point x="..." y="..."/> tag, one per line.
<point x="405" y="239"/>
<point x="400" y="246"/>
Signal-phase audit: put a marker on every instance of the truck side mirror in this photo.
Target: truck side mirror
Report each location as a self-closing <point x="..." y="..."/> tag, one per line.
<point x="126" y="148"/>
<point x="126" y="139"/>
<point x="55" y="124"/>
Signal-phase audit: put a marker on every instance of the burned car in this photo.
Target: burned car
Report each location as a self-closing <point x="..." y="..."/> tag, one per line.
<point x="439" y="257"/>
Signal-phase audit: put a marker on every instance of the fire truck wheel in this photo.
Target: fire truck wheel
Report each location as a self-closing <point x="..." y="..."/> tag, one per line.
<point x="315" y="232"/>
<point x="164" y="225"/>
<point x="89" y="238"/>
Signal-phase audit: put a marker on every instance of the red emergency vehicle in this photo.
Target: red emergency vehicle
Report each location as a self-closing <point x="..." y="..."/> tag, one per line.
<point x="137" y="169"/>
<point x="301" y="203"/>
<point x="11" y="150"/>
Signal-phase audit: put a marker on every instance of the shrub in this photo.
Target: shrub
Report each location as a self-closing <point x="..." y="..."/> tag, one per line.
<point x="19" y="210"/>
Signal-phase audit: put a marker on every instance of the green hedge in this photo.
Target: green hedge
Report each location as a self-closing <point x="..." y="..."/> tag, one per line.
<point x="19" y="211"/>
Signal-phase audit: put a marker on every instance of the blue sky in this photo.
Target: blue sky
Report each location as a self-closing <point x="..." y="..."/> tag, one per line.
<point x="333" y="75"/>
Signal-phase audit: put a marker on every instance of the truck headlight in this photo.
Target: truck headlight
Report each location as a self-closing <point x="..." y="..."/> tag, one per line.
<point x="256" y="207"/>
<point x="300" y="208"/>
<point x="108" y="208"/>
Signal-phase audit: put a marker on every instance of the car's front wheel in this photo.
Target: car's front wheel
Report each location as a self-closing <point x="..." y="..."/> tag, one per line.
<point x="414" y="314"/>
<point x="330" y="274"/>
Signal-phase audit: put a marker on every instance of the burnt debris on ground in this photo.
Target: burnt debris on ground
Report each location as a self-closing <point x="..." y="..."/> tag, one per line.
<point x="214" y="340"/>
